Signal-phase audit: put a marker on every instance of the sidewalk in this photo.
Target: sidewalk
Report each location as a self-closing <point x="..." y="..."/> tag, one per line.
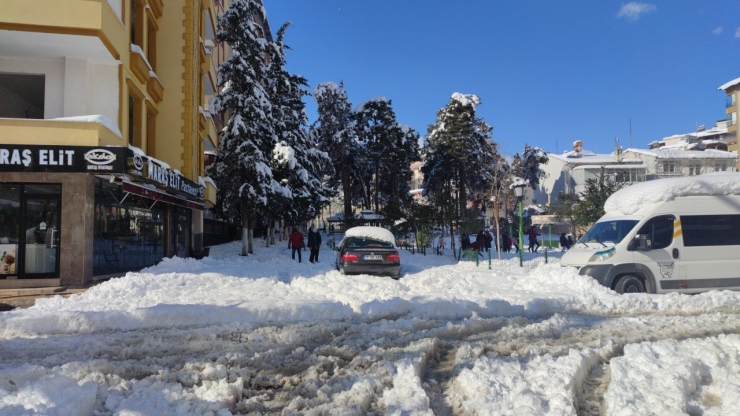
<point x="25" y="298"/>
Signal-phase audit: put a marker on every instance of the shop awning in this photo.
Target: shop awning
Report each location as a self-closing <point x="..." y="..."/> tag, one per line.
<point x="158" y="195"/>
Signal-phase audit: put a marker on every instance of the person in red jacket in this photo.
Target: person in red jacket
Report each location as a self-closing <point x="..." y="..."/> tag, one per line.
<point x="295" y="241"/>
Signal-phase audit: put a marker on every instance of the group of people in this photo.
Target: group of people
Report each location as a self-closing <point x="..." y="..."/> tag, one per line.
<point x="566" y="242"/>
<point x="482" y="241"/>
<point x="295" y="242"/>
<point x="508" y="241"/>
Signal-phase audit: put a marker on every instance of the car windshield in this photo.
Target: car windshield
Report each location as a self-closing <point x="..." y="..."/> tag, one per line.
<point x="610" y="231"/>
<point x="363" y="242"/>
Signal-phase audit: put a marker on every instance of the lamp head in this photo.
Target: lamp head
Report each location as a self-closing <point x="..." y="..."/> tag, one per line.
<point x="519" y="190"/>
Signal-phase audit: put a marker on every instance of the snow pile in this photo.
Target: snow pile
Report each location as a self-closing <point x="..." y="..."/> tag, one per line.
<point x="631" y="199"/>
<point x="257" y="334"/>
<point x="672" y="377"/>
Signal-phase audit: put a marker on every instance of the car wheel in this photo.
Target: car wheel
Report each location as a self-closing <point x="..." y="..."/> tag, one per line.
<point x="630" y="284"/>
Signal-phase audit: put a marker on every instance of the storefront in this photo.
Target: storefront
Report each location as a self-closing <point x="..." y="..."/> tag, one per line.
<point x="70" y="214"/>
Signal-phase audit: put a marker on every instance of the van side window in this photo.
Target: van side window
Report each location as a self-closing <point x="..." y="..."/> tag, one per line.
<point x="659" y="231"/>
<point x="710" y="230"/>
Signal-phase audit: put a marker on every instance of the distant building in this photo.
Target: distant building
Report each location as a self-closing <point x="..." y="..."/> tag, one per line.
<point x="679" y="161"/>
<point x="717" y="138"/>
<point x="569" y="171"/>
<point x="732" y="91"/>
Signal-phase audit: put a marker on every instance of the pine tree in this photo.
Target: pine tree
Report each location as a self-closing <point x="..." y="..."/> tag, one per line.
<point x="241" y="170"/>
<point x="527" y="166"/>
<point x="376" y="133"/>
<point x="334" y="131"/>
<point x="394" y="183"/>
<point x="298" y="165"/>
<point x="460" y="155"/>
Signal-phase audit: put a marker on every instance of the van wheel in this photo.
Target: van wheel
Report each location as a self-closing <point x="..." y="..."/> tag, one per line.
<point x="630" y="284"/>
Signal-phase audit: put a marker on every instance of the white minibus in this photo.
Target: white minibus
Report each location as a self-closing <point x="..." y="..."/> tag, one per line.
<point x="667" y="235"/>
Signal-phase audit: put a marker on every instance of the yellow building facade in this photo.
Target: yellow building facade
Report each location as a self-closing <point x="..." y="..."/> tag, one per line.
<point x="732" y="90"/>
<point x="104" y="123"/>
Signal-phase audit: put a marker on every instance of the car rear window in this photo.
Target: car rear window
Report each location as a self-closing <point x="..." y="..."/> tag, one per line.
<point x="360" y="242"/>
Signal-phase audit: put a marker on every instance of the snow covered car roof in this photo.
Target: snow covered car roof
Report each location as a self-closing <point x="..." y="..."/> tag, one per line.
<point x="377" y="233"/>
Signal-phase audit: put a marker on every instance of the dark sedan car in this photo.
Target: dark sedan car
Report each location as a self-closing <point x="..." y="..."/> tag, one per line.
<point x="369" y="250"/>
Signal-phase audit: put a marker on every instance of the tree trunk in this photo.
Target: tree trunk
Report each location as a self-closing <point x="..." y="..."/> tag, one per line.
<point x="498" y="237"/>
<point x="251" y="240"/>
<point x="346" y="188"/>
<point x="245" y="231"/>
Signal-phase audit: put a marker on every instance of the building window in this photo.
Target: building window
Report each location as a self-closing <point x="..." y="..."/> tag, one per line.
<point x="135" y="117"/>
<point x="151" y="130"/>
<point x="137" y="23"/>
<point x="720" y="166"/>
<point x="669" y="167"/>
<point x="22" y="96"/>
<point x="151" y="42"/>
<point x="694" y="170"/>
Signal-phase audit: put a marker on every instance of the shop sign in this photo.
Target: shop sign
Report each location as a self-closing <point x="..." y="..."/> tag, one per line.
<point x="150" y="170"/>
<point x="70" y="159"/>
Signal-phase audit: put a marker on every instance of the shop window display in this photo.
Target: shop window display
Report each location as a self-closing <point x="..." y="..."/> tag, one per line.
<point x="10" y="199"/>
<point x="128" y="236"/>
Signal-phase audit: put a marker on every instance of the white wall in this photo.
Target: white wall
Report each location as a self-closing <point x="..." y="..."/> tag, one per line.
<point x="91" y="88"/>
<point x="554" y="181"/>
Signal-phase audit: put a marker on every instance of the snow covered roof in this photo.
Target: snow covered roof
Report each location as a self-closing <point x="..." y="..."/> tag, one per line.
<point x="591" y="158"/>
<point x="376" y="233"/>
<point x="336" y="218"/>
<point x="631" y="199"/>
<point x="727" y="85"/>
<point x="639" y="165"/>
<point x="672" y="153"/>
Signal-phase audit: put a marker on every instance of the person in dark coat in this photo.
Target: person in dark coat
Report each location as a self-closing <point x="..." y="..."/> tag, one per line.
<point x="570" y="241"/>
<point x="563" y="242"/>
<point x="295" y="241"/>
<point x="533" y="243"/>
<point x="489" y="239"/>
<point x="314" y="243"/>
<point x="505" y="242"/>
<point x="464" y="241"/>
<point x="480" y="242"/>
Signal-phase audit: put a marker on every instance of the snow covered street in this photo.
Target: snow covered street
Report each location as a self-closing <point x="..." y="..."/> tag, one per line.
<point x="265" y="335"/>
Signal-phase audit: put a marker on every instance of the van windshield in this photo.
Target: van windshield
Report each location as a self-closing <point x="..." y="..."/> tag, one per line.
<point x="612" y="231"/>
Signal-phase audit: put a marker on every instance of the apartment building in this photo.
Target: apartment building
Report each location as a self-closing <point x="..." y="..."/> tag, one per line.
<point x="732" y="91"/>
<point x="104" y="122"/>
<point x="569" y="171"/>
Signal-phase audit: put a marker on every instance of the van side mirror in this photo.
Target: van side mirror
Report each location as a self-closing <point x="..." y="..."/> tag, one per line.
<point x="641" y="243"/>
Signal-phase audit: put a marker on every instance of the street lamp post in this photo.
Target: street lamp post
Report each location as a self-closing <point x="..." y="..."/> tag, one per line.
<point x="519" y="191"/>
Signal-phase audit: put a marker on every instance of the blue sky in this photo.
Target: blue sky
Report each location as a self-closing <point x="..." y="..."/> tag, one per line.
<point x="547" y="72"/>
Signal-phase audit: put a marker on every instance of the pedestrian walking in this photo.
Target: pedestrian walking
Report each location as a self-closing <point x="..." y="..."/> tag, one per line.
<point x="295" y="242"/>
<point x="314" y="243"/>
<point x="563" y="242"/>
<point x="489" y="238"/>
<point x="464" y="241"/>
<point x="441" y="244"/>
<point x="515" y="243"/>
<point x="480" y="242"/>
<point x="533" y="243"/>
<point x="570" y="241"/>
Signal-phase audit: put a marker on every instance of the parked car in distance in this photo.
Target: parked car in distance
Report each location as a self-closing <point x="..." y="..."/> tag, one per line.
<point x="370" y="250"/>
